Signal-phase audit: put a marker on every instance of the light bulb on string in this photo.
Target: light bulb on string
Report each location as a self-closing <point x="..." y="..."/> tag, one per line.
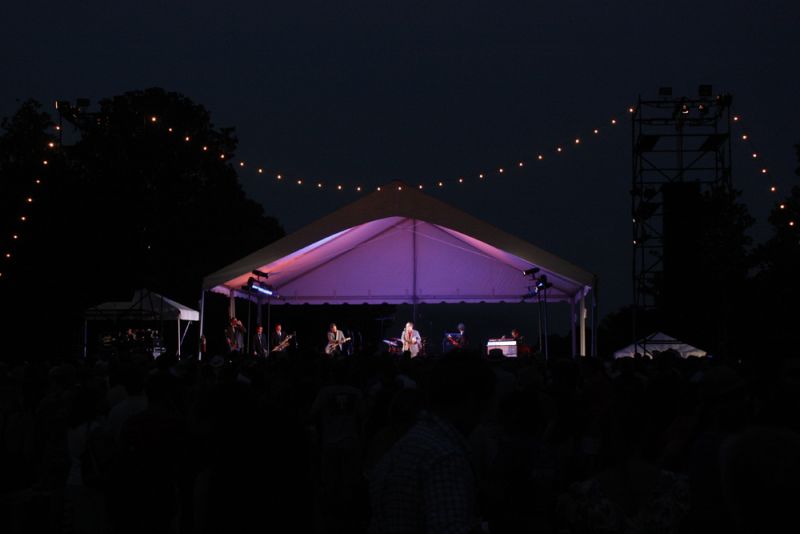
<point x="358" y="188"/>
<point x="279" y="177"/>
<point x="577" y="140"/>
<point x="744" y="137"/>
<point x="339" y="187"/>
<point x="319" y="185"/>
<point x="29" y="200"/>
<point x="420" y="186"/>
<point x="205" y="149"/>
<point x="153" y="119"/>
<point x="169" y="130"/>
<point x="500" y="170"/>
<point x="260" y="171"/>
<point x="51" y="144"/>
<point x="540" y="157"/>
<point x="559" y="149"/>
<point x="596" y="131"/>
<point x="45" y="162"/>
<point x="461" y="180"/>
<point x="782" y="206"/>
<point x="440" y="184"/>
<point x="241" y="164"/>
<point x="481" y="176"/>
<point x="379" y="188"/>
<point x="763" y="171"/>
<point x="299" y="182"/>
<point x="736" y="118"/>
<point x="613" y="122"/>
<point x="773" y="189"/>
<point x="187" y="138"/>
<point x="222" y="156"/>
<point x="521" y="164"/>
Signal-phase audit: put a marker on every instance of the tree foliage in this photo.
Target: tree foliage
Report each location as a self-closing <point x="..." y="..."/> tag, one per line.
<point x="129" y="204"/>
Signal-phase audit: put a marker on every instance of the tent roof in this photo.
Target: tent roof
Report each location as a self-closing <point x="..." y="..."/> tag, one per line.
<point x="659" y="341"/>
<point x="145" y="305"/>
<point x="399" y="245"/>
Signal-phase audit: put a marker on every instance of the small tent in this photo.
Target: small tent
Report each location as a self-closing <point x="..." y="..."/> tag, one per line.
<point x="659" y="342"/>
<point x="144" y="306"/>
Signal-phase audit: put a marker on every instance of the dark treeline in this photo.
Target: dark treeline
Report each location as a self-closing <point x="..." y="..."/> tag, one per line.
<point x="122" y="204"/>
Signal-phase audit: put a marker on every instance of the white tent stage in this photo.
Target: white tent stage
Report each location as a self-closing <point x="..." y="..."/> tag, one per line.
<point x="401" y="246"/>
<point x="144" y="306"/>
<point x="660" y="342"/>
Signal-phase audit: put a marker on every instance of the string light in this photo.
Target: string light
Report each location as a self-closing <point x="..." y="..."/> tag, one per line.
<point x="187" y="138"/>
<point x="481" y="176"/>
<point x="29" y="200"/>
<point x="540" y="157"/>
<point x="241" y="164"/>
<point x="461" y="180"/>
<point x="559" y="149"/>
<point x="339" y="187"/>
<point x="500" y="170"/>
<point x="577" y="141"/>
<point x="773" y="189"/>
<point x="51" y="144"/>
<point x="153" y="119"/>
<point x="420" y="186"/>
<point x="613" y="122"/>
<point x="744" y="137"/>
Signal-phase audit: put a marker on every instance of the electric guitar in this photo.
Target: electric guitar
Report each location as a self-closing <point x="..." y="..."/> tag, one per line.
<point x="335" y="345"/>
<point x="283" y="344"/>
<point x="455" y="341"/>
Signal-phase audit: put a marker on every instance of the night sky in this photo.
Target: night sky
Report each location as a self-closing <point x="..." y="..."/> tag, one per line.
<point x="364" y="93"/>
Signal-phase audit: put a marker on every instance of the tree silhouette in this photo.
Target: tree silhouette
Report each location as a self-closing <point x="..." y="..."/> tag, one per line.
<point x="132" y="203"/>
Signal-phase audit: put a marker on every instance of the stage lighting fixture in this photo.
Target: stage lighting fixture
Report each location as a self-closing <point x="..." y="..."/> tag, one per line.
<point x="542" y="283"/>
<point x="262" y="274"/>
<point x="264" y="289"/>
<point x="531" y="271"/>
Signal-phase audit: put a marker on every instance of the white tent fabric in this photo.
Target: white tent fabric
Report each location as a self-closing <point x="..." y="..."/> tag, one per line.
<point x="401" y="246"/>
<point x="660" y="342"/>
<point x="145" y="305"/>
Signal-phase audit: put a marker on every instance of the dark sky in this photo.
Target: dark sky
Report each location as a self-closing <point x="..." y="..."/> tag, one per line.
<point x="367" y="92"/>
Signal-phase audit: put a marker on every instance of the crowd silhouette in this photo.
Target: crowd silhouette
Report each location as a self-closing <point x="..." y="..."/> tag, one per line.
<point x="377" y="443"/>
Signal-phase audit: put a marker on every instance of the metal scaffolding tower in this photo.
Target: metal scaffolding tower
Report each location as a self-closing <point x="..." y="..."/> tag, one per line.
<point x="678" y="143"/>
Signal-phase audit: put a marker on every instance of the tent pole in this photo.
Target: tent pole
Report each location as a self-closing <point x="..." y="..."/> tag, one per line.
<point x="179" y="337"/>
<point x="202" y="324"/>
<point x="572" y="324"/>
<point x="582" y="319"/>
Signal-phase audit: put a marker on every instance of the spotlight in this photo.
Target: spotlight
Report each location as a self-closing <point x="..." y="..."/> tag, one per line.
<point x="531" y="271"/>
<point x="264" y="289"/>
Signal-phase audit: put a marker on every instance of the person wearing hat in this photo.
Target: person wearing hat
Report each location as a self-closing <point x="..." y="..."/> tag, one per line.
<point x="234" y="335"/>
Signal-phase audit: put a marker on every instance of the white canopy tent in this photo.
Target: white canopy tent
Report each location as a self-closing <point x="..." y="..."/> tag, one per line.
<point x="144" y="306"/>
<point x="659" y="342"/>
<point x="398" y="245"/>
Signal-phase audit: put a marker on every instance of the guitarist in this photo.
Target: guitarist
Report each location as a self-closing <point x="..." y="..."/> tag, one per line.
<point x="458" y="341"/>
<point x="411" y="340"/>
<point x="279" y="340"/>
<point x="335" y="341"/>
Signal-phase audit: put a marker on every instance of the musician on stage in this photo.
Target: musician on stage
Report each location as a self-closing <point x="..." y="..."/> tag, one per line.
<point x="260" y="348"/>
<point x="234" y="335"/>
<point x="458" y="341"/>
<point x="335" y="341"/>
<point x="411" y="340"/>
<point x="279" y="340"/>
